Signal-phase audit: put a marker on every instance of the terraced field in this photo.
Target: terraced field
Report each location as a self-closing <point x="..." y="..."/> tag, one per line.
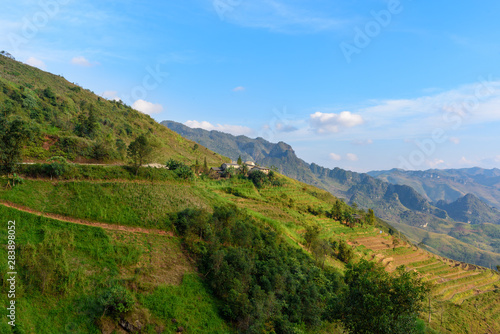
<point x="451" y="280"/>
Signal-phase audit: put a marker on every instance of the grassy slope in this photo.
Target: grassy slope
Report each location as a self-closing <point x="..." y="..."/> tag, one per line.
<point x="54" y="121"/>
<point x="285" y="209"/>
<point x="75" y="263"/>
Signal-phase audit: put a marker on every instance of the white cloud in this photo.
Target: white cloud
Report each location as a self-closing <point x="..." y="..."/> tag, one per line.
<point x="465" y="161"/>
<point x="330" y="123"/>
<point x="239" y="89"/>
<point x="82" y="61"/>
<point x="147" y="107"/>
<point x="111" y="95"/>
<point x="335" y="157"/>
<point x="352" y="157"/>
<point x="455" y="140"/>
<point x="232" y="129"/>
<point x="434" y="163"/>
<point x="32" y="61"/>
<point x="468" y="104"/>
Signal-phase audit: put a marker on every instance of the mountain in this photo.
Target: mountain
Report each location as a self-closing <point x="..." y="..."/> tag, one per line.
<point x="67" y="120"/>
<point x="395" y="203"/>
<point x="449" y="184"/>
<point x="470" y="209"/>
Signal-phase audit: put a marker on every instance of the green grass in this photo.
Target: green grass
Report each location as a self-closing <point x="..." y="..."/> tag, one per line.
<point x="189" y="304"/>
<point x="132" y="204"/>
<point x="63" y="269"/>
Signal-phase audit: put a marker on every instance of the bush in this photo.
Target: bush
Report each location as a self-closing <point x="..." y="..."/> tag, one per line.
<point x="117" y="300"/>
<point x="173" y="164"/>
<point x="258" y="178"/>
<point x="182" y="170"/>
<point x="57" y="167"/>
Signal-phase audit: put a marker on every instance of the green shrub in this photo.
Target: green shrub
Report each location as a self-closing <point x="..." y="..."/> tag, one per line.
<point x="173" y="164"/>
<point x="57" y="167"/>
<point x="182" y="170"/>
<point x="117" y="300"/>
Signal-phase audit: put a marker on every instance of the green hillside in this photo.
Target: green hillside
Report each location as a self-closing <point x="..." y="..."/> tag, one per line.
<point x="111" y="249"/>
<point x="140" y="235"/>
<point x="64" y="119"/>
<point x="398" y="204"/>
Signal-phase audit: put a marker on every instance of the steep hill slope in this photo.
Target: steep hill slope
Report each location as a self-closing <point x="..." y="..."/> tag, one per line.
<point x="66" y="120"/>
<point x="392" y="202"/>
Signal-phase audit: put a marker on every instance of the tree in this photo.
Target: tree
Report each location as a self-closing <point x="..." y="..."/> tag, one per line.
<point x="312" y="234"/>
<point x="196" y="166"/>
<point x="347" y="217"/>
<point x="346" y="252"/>
<point x="320" y="249"/>
<point x="205" y="165"/>
<point x="13" y="135"/>
<point x="139" y="151"/>
<point x="87" y="125"/>
<point x="370" y="218"/>
<point x="395" y="243"/>
<point x="239" y="162"/>
<point x="374" y="301"/>
<point x="336" y="212"/>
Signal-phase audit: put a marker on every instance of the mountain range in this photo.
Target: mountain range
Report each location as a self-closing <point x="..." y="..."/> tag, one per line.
<point x="420" y="217"/>
<point x="448" y="184"/>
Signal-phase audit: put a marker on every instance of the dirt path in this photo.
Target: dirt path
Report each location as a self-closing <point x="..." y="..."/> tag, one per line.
<point x="85" y="222"/>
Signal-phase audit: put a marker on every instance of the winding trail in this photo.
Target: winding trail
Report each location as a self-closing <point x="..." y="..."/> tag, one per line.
<point x="79" y="221"/>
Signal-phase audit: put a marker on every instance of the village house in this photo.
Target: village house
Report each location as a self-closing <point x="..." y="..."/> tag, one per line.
<point x="261" y="169"/>
<point x="250" y="165"/>
<point x="229" y="165"/>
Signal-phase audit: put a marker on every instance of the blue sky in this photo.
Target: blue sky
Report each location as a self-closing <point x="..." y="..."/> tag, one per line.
<point x="362" y="85"/>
